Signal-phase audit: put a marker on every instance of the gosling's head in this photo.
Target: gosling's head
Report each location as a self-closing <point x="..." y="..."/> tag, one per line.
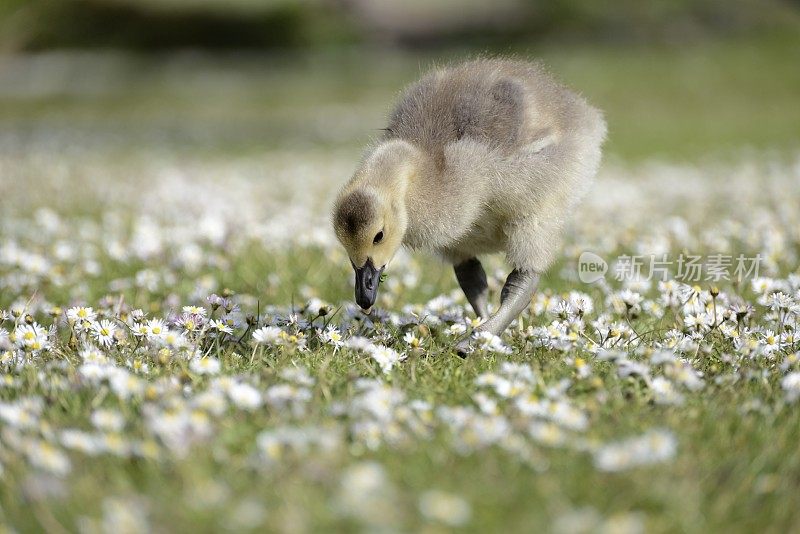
<point x="370" y="217"/>
<point x="370" y="226"/>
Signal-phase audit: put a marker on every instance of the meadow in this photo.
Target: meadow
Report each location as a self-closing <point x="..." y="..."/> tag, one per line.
<point x="179" y="349"/>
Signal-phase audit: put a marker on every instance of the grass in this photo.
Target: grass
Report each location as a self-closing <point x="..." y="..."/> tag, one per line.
<point x="118" y="194"/>
<point x="735" y="471"/>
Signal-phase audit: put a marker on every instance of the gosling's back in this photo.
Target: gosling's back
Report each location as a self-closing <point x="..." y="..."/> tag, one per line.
<point x="507" y="105"/>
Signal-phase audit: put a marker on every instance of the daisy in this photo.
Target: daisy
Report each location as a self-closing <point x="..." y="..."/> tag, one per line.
<point x="299" y="375"/>
<point x="456" y="329"/>
<point x="631" y="299"/>
<point x="669" y="291"/>
<point x="698" y="321"/>
<point x="763" y="285"/>
<point x="47" y="457"/>
<point x="492" y="343"/>
<point x="32" y="337"/>
<point x="664" y="392"/>
<point x="90" y="354"/>
<point x="205" y="366"/>
<point x="156" y="328"/>
<point x="654" y="446"/>
<point x="195" y="310"/>
<point x="412" y="340"/>
<point x="581" y="303"/>
<point x="220" y="326"/>
<point x="779" y="301"/>
<point x="386" y="357"/>
<point x="267" y="335"/>
<point x="110" y="420"/>
<point x="791" y="385"/>
<point x="191" y="322"/>
<point x="331" y="336"/>
<point x="103" y="332"/>
<point x="245" y="396"/>
<point x="81" y="316"/>
<point x="445" y="508"/>
<point x="770" y="342"/>
<point x="175" y="340"/>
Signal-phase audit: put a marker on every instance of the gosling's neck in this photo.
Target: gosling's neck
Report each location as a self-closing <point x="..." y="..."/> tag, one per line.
<point x="392" y="170"/>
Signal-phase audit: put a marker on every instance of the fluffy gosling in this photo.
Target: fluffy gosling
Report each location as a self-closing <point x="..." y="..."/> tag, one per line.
<point x="487" y="156"/>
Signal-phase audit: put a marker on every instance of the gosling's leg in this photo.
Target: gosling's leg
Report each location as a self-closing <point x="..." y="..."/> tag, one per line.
<point x="472" y="279"/>
<point x="514" y="298"/>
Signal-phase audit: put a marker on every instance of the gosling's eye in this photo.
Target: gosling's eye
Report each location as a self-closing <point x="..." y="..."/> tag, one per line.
<point x="378" y="238"/>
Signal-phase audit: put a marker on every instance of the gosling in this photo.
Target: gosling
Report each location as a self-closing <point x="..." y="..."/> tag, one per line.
<point x="491" y="155"/>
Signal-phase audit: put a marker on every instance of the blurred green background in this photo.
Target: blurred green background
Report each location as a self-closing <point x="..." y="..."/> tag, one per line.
<point x="678" y="79"/>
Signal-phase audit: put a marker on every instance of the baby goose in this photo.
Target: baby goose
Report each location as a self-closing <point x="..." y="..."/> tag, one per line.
<point x="490" y="155"/>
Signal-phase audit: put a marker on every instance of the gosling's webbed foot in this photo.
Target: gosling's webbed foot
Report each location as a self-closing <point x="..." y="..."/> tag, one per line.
<point x="514" y="298"/>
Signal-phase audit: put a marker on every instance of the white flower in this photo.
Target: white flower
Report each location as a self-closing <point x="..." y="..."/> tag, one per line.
<point x="110" y="420"/>
<point x="631" y="299"/>
<point x="124" y="384"/>
<point x="32" y="337"/>
<point x="359" y="344"/>
<point x="156" y="329"/>
<point x="204" y="366"/>
<point x="627" y="367"/>
<point x="700" y="320"/>
<point x="124" y="516"/>
<point x="195" y="310"/>
<point x="244" y="396"/>
<point x="90" y="354"/>
<point x="491" y="343"/>
<point x="220" y="326"/>
<point x="191" y="322"/>
<point x="654" y="446"/>
<point x="664" y="391"/>
<point x="581" y="303"/>
<point x="763" y="285"/>
<point x="386" y="357"/>
<point x="81" y="317"/>
<point x="686" y="375"/>
<point x="331" y="336"/>
<point x="175" y="340"/>
<point x="412" y="340"/>
<point x="282" y="395"/>
<point x="486" y="404"/>
<point x="779" y="301"/>
<point x="366" y="493"/>
<point x="103" y="332"/>
<point x="21" y="414"/>
<point x="299" y="375"/>
<point x="548" y="434"/>
<point x="457" y="329"/>
<point x="140" y="329"/>
<point x="47" y="457"/>
<point x="791" y="385"/>
<point x="267" y="335"/>
<point x="79" y="440"/>
<point x="770" y="342"/>
<point x="445" y="508"/>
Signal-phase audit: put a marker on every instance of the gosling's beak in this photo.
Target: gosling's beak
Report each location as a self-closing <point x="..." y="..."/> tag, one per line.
<point x="367" y="280"/>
